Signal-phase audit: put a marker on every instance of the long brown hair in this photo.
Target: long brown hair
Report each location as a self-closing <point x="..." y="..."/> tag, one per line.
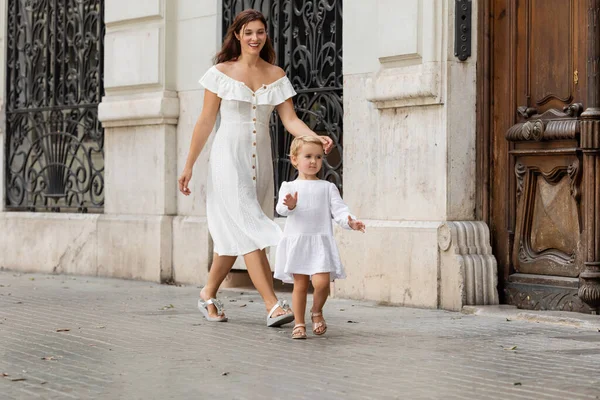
<point x="231" y="49"/>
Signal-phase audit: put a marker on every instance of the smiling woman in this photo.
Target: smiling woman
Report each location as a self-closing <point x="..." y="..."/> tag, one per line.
<point x="244" y="87"/>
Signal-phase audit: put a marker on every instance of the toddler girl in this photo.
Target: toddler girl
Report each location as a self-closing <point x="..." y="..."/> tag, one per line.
<point x="308" y="250"/>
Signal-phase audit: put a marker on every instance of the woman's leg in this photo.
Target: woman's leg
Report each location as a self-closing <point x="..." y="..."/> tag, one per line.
<point x="262" y="278"/>
<point x="299" y="297"/>
<point x="219" y="269"/>
<point x="320" y="284"/>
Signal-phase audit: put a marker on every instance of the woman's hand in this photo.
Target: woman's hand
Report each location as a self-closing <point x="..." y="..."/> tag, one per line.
<point x="327" y="143"/>
<point x="290" y="201"/>
<point x="184" y="180"/>
<point x="296" y="127"/>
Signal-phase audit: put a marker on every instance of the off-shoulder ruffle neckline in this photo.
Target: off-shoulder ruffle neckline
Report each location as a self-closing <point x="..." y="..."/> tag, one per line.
<point x="262" y="87"/>
<point x="228" y="88"/>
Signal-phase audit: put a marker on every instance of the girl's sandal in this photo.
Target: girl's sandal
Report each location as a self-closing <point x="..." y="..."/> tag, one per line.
<point x="319" y="328"/>
<point x="299" y="331"/>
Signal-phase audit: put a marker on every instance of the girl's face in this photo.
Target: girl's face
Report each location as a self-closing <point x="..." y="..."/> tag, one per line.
<point x="252" y="37"/>
<point x="309" y="159"/>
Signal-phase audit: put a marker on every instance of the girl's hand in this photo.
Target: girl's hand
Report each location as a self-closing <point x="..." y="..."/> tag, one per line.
<point x="290" y="201"/>
<point x="356" y="225"/>
<point x="184" y="180"/>
<point x="327" y="143"/>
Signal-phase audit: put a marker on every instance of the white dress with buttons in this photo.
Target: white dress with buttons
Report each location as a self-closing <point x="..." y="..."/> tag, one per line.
<point x="308" y="246"/>
<point x="239" y="194"/>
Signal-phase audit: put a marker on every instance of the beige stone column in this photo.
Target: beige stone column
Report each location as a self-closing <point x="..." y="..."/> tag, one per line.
<point x="409" y="159"/>
<point x="139" y="112"/>
<point x="198" y="32"/>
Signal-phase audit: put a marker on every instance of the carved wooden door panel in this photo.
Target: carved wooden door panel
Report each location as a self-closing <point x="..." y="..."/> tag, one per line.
<point x="538" y="80"/>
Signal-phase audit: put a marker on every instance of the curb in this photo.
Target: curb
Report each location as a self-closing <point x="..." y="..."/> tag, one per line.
<point x="562" y="318"/>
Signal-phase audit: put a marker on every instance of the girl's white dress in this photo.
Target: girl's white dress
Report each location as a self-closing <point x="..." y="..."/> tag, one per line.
<point x="308" y="246"/>
<point x="239" y="197"/>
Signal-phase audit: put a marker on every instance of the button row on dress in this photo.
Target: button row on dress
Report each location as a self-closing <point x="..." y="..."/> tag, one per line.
<point x="254" y="143"/>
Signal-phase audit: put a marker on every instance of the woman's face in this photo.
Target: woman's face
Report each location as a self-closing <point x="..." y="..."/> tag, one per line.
<point x="252" y="37"/>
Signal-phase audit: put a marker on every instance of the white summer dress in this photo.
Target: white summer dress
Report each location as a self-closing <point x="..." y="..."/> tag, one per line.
<point x="239" y="198"/>
<point x="308" y="246"/>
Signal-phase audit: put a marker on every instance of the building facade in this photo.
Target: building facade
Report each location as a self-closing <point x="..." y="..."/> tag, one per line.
<point x="404" y="88"/>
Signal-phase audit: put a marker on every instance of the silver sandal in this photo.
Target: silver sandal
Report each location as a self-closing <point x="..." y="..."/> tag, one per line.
<point x="203" y="307"/>
<point x="274" y="322"/>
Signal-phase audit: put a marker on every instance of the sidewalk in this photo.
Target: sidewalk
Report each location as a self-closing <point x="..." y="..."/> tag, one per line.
<point x="70" y="337"/>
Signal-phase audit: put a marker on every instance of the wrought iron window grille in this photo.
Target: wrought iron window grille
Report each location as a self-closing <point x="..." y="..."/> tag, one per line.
<point x="307" y="37"/>
<point x="54" y="142"/>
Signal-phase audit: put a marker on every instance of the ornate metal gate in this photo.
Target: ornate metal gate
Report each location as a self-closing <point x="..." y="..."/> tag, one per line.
<point x="307" y="37"/>
<point x="54" y="142"/>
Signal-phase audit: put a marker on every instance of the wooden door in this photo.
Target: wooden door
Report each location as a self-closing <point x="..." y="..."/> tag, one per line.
<point x="537" y="81"/>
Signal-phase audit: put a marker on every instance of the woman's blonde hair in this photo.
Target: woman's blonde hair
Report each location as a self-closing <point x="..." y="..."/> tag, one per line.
<point x="300" y="141"/>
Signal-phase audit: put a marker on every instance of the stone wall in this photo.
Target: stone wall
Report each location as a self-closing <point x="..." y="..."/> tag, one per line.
<point x="409" y="149"/>
<point x="409" y="156"/>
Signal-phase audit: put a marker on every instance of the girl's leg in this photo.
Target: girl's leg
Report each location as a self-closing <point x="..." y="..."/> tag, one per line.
<point x="219" y="269"/>
<point x="262" y="278"/>
<point x="320" y="284"/>
<point x="299" y="297"/>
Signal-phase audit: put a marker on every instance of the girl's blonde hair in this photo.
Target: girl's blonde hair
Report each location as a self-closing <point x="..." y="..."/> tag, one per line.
<point x="300" y="141"/>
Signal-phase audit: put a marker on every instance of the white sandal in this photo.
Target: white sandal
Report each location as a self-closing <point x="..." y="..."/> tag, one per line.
<point x="203" y="307"/>
<point x="287" y="317"/>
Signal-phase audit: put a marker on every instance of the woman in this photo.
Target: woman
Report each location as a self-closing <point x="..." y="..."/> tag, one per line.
<point x="245" y="87"/>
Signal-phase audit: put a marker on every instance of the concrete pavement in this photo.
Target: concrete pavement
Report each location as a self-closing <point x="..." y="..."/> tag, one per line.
<point x="65" y="337"/>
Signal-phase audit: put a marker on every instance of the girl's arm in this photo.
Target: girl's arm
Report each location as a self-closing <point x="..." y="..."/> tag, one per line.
<point x="281" y="208"/>
<point x="296" y="126"/>
<point x="202" y="129"/>
<point x="339" y="210"/>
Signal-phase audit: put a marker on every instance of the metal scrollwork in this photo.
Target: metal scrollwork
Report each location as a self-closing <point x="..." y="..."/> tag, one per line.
<point x="307" y="36"/>
<point x="54" y="143"/>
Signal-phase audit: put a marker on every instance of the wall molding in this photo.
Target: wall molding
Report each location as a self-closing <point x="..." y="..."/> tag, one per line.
<point x="414" y="85"/>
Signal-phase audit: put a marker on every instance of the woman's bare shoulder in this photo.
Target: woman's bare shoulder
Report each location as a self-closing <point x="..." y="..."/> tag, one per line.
<point x="275" y="72"/>
<point x="224" y="66"/>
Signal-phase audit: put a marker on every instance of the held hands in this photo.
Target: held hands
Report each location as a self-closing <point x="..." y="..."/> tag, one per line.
<point x="184" y="181"/>
<point x="356" y="225"/>
<point x="290" y="201"/>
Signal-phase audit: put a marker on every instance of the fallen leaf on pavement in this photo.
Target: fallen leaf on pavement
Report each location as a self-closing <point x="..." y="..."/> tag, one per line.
<point x="63" y="330"/>
<point x="242" y="305"/>
<point x="100" y="327"/>
<point x="18" y="379"/>
<point x="225" y="373"/>
<point x="510" y="348"/>
<point x="341" y="309"/>
<point x="352" y="322"/>
<point x="48" y="358"/>
<point x="167" y="307"/>
<point x="517" y="383"/>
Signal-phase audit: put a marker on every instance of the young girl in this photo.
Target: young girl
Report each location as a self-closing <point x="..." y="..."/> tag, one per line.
<point x="308" y="250"/>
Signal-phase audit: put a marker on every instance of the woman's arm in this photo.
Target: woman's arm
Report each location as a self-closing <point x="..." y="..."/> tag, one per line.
<point x="296" y="126"/>
<point x="202" y="129"/>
